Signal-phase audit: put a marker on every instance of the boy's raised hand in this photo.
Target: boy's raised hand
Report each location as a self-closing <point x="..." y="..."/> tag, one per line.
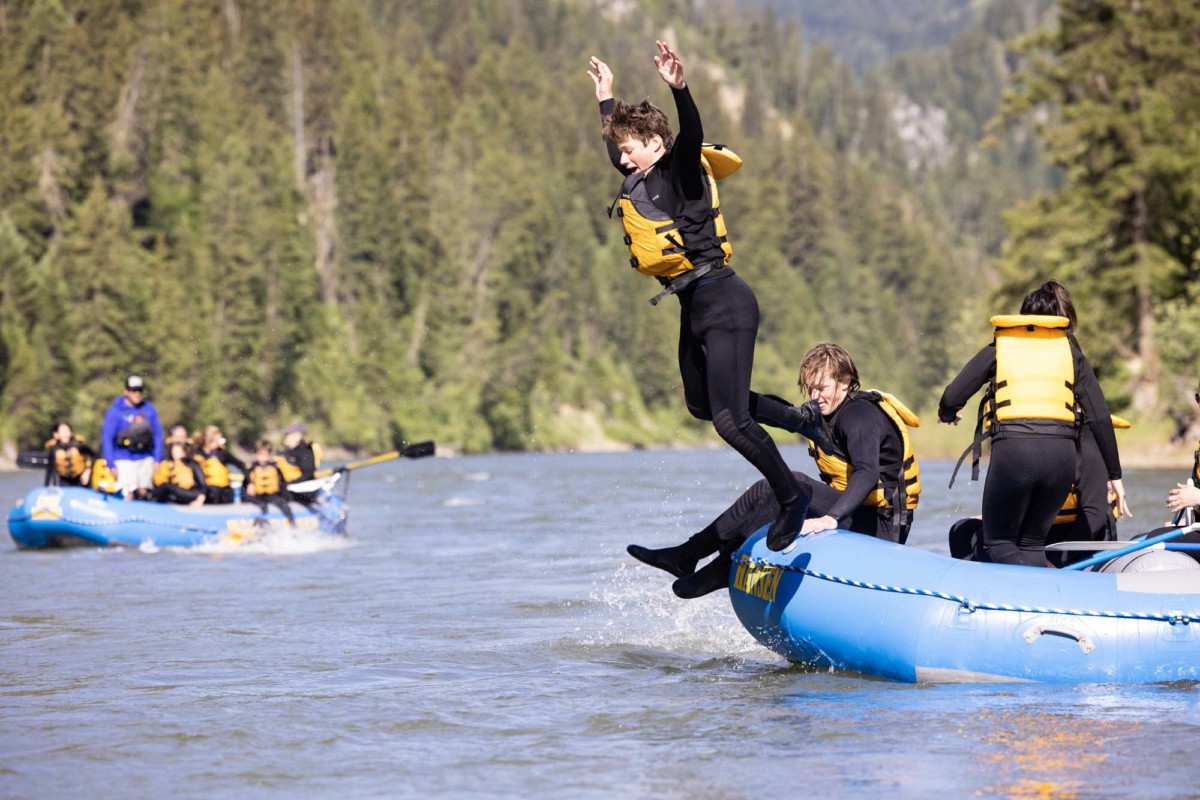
<point x="603" y="78"/>
<point x="670" y="68"/>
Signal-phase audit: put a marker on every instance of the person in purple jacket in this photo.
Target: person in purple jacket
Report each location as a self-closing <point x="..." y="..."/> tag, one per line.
<point x="131" y="440"/>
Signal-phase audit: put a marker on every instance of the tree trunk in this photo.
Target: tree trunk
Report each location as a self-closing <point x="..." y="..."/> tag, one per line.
<point x="299" y="148"/>
<point x="1146" y="384"/>
<point x="323" y="203"/>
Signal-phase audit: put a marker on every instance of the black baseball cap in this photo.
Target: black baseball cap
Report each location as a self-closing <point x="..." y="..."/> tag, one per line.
<point x="134" y="383"/>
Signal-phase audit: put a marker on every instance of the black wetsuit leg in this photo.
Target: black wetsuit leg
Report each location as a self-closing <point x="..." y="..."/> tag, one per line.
<point x="718" y="323"/>
<point x="169" y="493"/>
<point x="755" y="508"/>
<point x="277" y="500"/>
<point x="1095" y="521"/>
<point x="1027" y="482"/>
<point x="758" y="507"/>
<point x="219" y="495"/>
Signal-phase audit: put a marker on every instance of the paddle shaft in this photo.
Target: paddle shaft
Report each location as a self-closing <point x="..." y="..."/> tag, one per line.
<point x="1095" y="547"/>
<point x="1100" y="558"/>
<point x="418" y="450"/>
<point x="366" y="462"/>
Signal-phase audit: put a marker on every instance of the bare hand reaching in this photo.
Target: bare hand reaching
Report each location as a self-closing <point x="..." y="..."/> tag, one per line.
<point x="670" y="68"/>
<point x="603" y="78"/>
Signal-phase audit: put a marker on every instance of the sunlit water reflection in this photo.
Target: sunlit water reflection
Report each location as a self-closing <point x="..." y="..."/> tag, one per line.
<point x="483" y="634"/>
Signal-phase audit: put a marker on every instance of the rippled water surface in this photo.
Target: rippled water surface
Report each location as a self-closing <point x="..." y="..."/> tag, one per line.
<point x="483" y="634"/>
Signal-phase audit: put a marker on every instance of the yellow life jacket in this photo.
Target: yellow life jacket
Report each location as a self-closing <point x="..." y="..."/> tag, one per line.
<point x="1070" y="509"/>
<point x="1035" y="369"/>
<point x="656" y="246"/>
<point x="1034" y="378"/>
<point x="287" y="470"/>
<point x="215" y="472"/>
<point x="69" y="462"/>
<point x="176" y="473"/>
<point x="267" y="478"/>
<point x="102" y="477"/>
<point x="836" y="470"/>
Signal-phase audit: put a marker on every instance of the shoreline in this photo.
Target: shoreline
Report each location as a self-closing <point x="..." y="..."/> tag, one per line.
<point x="1162" y="457"/>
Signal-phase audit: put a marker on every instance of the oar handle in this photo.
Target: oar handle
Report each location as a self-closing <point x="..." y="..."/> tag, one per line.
<point x="1109" y="555"/>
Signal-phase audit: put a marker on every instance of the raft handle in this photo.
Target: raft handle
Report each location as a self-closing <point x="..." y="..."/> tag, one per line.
<point x="1034" y="631"/>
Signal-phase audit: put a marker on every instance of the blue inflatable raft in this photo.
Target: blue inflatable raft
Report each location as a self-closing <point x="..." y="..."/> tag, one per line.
<point x="69" y="516"/>
<point x="851" y="602"/>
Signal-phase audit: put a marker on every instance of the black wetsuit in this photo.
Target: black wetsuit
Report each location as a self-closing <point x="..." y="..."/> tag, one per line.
<point x="53" y="478"/>
<point x="304" y="457"/>
<point x="1094" y="520"/>
<point x="1033" y="462"/>
<point x="718" y="320"/>
<point x="172" y="493"/>
<point x="861" y="430"/>
<point x="223" y="495"/>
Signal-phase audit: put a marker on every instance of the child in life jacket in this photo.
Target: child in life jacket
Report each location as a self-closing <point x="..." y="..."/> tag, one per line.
<point x="216" y="461"/>
<point x="70" y="459"/>
<point x="265" y="483"/>
<point x="179" y="479"/>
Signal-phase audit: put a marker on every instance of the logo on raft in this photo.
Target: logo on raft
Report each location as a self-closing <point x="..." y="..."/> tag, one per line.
<point x="757" y="580"/>
<point x="49" y="506"/>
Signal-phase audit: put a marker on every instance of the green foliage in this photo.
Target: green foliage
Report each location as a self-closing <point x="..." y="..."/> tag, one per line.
<point x="1118" y="88"/>
<point x="388" y="219"/>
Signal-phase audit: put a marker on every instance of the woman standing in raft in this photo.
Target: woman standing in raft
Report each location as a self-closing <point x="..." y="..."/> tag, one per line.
<point x="670" y="212"/>
<point x="1037" y="377"/>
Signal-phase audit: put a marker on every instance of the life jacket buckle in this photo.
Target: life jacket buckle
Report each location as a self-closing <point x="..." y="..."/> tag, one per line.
<point x="686" y="279"/>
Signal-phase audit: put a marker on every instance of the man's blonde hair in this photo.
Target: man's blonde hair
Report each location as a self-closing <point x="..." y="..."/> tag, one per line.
<point x="828" y="358"/>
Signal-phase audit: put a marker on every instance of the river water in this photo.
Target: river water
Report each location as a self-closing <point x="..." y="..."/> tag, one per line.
<point x="482" y="634"/>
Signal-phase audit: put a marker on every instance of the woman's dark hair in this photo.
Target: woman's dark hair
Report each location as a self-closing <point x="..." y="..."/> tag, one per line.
<point x="1051" y="299"/>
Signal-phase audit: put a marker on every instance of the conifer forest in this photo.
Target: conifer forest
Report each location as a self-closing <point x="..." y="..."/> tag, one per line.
<point x="389" y="218"/>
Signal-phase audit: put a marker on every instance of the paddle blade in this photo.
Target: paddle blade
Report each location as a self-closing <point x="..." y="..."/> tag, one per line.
<point x="419" y="450"/>
<point x="34" y="459"/>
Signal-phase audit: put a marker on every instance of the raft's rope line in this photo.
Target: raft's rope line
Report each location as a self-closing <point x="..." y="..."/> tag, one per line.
<point x="970" y="606"/>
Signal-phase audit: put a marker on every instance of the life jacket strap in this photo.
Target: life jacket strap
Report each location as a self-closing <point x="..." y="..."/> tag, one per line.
<point x="982" y="433"/>
<point x="685" y="280"/>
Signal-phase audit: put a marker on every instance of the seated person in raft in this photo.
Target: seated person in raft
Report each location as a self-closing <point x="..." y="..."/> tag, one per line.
<point x="265" y="483"/>
<point x="216" y="461"/>
<point x="1186" y="497"/>
<point x="180" y="478"/>
<point x="870" y="481"/>
<point x="300" y="459"/>
<point x="70" y="460"/>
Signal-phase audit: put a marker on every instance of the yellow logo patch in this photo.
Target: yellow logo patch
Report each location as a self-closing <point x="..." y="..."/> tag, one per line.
<point x="758" y="580"/>
<point x="49" y="506"/>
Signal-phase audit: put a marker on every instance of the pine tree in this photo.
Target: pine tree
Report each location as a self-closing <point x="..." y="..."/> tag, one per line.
<point x="1121" y="83"/>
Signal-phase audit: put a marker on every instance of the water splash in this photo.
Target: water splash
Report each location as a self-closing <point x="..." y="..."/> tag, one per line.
<point x="635" y="606"/>
<point x="273" y="541"/>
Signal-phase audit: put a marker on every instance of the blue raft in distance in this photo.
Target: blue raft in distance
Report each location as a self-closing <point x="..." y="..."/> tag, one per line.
<point x="851" y="602"/>
<point x="70" y="516"/>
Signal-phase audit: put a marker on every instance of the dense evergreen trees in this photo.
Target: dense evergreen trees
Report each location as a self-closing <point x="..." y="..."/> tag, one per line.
<point x="388" y="218"/>
<point x="1117" y="88"/>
